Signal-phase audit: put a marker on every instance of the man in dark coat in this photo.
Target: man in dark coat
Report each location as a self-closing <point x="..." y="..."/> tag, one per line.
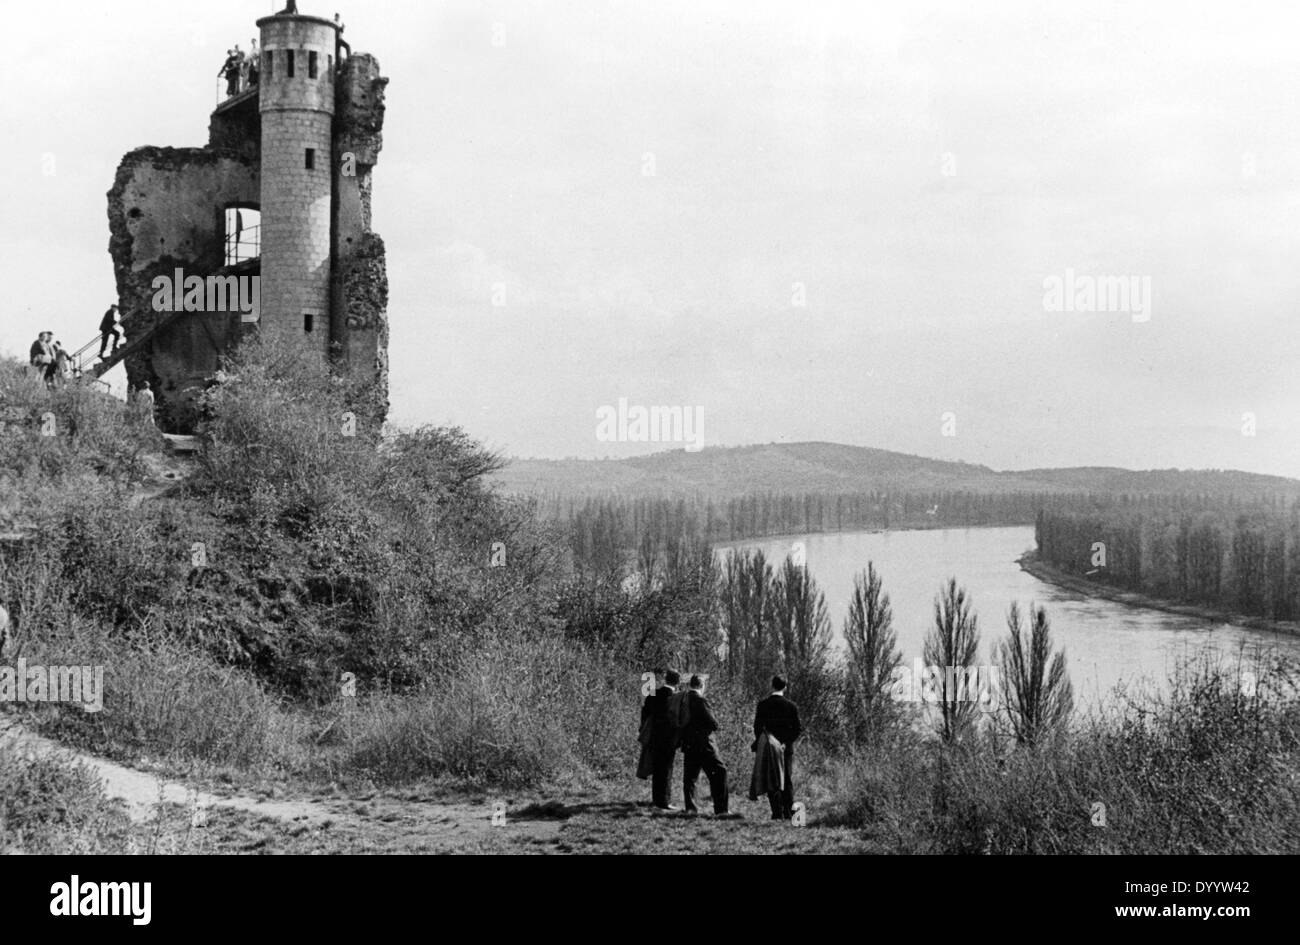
<point x="42" y="357"/>
<point x="230" y="72"/>
<point x="41" y="352"/>
<point x="779" y="717"/>
<point x="663" y="739"/>
<point x="108" y="329"/>
<point x="700" y="752"/>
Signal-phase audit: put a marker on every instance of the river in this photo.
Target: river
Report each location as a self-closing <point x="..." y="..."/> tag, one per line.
<point x="1106" y="643"/>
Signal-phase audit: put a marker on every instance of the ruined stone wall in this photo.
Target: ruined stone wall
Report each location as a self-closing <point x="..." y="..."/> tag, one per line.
<point x="238" y="129"/>
<point x="359" y="323"/>
<point x="166" y="211"/>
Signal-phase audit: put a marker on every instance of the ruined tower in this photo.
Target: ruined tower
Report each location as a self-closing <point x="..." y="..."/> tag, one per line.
<point x="280" y="192"/>
<point x="296" y="104"/>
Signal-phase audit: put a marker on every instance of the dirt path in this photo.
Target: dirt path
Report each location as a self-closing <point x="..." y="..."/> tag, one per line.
<point x="369" y="823"/>
<point x="166" y="471"/>
<point x="419" y="821"/>
<point x="142" y="792"/>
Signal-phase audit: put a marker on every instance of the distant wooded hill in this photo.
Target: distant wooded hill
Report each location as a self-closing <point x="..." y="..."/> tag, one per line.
<point x="835" y="469"/>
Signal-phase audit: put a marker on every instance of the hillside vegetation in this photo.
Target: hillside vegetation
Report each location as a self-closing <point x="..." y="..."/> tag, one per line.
<point x="316" y="610"/>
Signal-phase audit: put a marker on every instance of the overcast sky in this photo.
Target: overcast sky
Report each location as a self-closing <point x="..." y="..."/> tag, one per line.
<point x="652" y="187"/>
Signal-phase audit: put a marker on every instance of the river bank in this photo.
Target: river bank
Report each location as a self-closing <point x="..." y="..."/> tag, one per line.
<point x="1030" y="564"/>
<point x="934" y="526"/>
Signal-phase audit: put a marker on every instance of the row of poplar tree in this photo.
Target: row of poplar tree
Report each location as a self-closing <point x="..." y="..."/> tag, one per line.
<point x="670" y="600"/>
<point x="1242" y="560"/>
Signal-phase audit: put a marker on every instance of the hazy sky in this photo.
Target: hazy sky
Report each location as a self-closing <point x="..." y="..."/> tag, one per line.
<point x="652" y="187"/>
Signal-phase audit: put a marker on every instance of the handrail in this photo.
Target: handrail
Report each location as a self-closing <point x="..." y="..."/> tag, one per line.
<point x="83" y="360"/>
<point x="82" y="363"/>
<point x="86" y="347"/>
<point x="236" y="242"/>
<point x="224" y="99"/>
<point x="97" y="368"/>
<point x="80" y="358"/>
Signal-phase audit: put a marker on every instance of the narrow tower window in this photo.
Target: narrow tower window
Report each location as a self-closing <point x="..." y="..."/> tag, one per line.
<point x="311" y="65"/>
<point x="308" y="321"/>
<point x="269" y="67"/>
<point x="311" y="159"/>
<point x="288" y="58"/>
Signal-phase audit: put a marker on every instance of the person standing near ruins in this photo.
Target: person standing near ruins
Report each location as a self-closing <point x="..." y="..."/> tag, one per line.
<point x="144" y="400"/>
<point x="49" y="358"/>
<point x="254" y="65"/>
<point x="230" y="72"/>
<point x="62" y="365"/>
<point x="42" y="357"/>
<point x="36" y="357"/>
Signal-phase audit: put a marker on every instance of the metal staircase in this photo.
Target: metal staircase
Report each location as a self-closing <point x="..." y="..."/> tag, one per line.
<point x="86" y="361"/>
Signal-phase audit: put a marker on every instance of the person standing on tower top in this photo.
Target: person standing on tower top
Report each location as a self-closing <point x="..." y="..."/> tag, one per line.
<point x="230" y="72"/>
<point x="254" y="65"/>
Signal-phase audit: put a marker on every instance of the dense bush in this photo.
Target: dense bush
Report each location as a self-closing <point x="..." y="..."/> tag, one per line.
<point x="52" y="806"/>
<point x="527" y="710"/>
<point x="325" y="553"/>
<point x="71" y="440"/>
<point x="1205" y="769"/>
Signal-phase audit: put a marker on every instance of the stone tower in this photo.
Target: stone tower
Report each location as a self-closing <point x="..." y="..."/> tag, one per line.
<point x="296" y="105"/>
<point x="281" y="192"/>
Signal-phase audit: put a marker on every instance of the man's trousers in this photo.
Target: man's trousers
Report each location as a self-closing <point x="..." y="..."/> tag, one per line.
<point x="703" y="756"/>
<point x="782" y="801"/>
<point x="662" y="773"/>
